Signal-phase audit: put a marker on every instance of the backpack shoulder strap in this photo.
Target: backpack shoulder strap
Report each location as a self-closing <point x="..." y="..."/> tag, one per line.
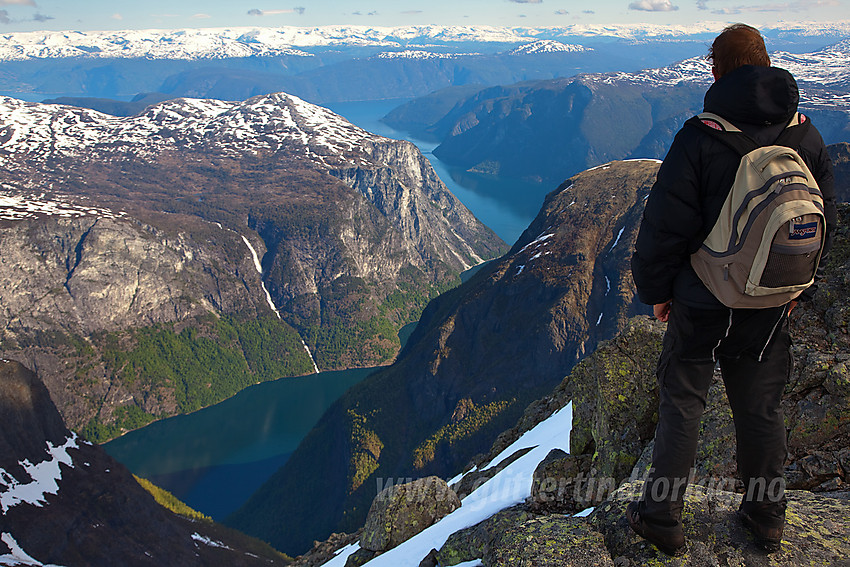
<point x="733" y="137"/>
<point x="724" y="131"/>
<point x="794" y="132"/>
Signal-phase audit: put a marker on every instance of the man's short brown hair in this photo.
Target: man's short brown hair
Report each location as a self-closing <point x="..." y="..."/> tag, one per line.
<point x="737" y="45"/>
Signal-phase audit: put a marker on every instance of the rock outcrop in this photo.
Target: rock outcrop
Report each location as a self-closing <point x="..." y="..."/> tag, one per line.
<point x="402" y="511"/>
<point x="817" y="532"/>
<point x="66" y="502"/>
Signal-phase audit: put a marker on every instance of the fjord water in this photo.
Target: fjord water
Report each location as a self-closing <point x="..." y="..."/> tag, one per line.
<point x="215" y="458"/>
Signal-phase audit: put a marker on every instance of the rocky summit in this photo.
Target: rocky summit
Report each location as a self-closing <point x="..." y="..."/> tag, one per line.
<point x="243" y="232"/>
<point x="64" y="501"/>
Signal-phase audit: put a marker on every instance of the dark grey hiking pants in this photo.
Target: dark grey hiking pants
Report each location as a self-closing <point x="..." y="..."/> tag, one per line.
<point x="753" y="349"/>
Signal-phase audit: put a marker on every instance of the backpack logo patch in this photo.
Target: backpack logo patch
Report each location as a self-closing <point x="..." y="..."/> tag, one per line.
<point x="713" y="124"/>
<point x="803" y="231"/>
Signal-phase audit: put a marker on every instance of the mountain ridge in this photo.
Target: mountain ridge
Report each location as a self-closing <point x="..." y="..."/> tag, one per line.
<point x="168" y="232"/>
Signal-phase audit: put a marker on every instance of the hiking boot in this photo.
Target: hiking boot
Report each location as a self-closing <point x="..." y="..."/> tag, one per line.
<point x="669" y="539"/>
<point x="767" y="538"/>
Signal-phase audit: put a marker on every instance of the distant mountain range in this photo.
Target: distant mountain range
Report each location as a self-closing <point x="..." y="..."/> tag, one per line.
<point x="348" y="63"/>
<point x="553" y="128"/>
<point x="220" y="43"/>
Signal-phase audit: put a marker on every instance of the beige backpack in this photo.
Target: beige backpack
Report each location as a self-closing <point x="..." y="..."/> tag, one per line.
<point x="764" y="249"/>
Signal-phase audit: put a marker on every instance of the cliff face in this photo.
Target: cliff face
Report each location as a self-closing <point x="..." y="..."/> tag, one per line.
<point x="479" y="354"/>
<point x="66" y="502"/>
<point x="133" y="238"/>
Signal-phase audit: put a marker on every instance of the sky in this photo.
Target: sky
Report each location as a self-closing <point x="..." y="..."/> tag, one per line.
<point x="90" y="15"/>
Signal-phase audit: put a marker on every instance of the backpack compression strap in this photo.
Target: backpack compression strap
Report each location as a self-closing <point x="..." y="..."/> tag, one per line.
<point x="733" y="137"/>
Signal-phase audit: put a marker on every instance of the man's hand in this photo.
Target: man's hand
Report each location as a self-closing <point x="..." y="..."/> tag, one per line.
<point x="662" y="310"/>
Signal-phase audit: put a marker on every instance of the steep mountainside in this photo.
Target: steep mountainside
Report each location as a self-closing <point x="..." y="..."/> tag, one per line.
<point x="66" y="502"/>
<point x="207" y="214"/>
<point x="551" y="129"/>
<point x="480" y="353"/>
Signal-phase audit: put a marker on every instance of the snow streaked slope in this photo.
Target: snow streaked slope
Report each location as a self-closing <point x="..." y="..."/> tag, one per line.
<point x="219" y="43"/>
<point x="509" y="487"/>
<point x="548" y="46"/>
<point x="16" y="206"/>
<point x="273" y="122"/>
<point x="44" y="477"/>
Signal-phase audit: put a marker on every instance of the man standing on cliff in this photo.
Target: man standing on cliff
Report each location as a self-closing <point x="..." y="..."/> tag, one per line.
<point x="752" y="346"/>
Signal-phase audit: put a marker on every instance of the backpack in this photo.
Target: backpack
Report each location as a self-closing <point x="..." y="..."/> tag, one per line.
<point x="765" y="246"/>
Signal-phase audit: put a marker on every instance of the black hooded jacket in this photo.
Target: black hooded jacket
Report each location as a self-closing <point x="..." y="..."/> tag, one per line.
<point x="698" y="172"/>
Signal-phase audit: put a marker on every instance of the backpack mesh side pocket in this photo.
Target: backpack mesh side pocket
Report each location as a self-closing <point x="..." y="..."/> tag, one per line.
<point x="794" y="253"/>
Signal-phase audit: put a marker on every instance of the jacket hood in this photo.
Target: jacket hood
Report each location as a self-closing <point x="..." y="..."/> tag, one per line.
<point x="754" y="95"/>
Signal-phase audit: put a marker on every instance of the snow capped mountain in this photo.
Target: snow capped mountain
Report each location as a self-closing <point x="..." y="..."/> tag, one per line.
<point x="821" y="75"/>
<point x="548" y="46"/>
<point x="827" y="67"/>
<point x="220" y="43"/>
<point x="271" y="122"/>
<point x="148" y="44"/>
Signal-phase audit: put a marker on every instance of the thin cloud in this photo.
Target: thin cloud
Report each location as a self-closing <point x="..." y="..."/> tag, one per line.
<point x="561" y="12"/>
<point x="117" y="16"/>
<point x="17" y="3"/>
<point x="296" y="10"/>
<point x="42" y="18"/>
<point x="702" y="4"/>
<point x="653" y="6"/>
<point x="412" y="12"/>
<point x="4" y="17"/>
<point x="201" y="17"/>
<point x="527" y="1"/>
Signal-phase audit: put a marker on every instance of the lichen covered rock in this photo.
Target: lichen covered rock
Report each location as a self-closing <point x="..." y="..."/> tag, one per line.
<point x="557" y="483"/>
<point x="401" y="511"/>
<point x="518" y="537"/>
